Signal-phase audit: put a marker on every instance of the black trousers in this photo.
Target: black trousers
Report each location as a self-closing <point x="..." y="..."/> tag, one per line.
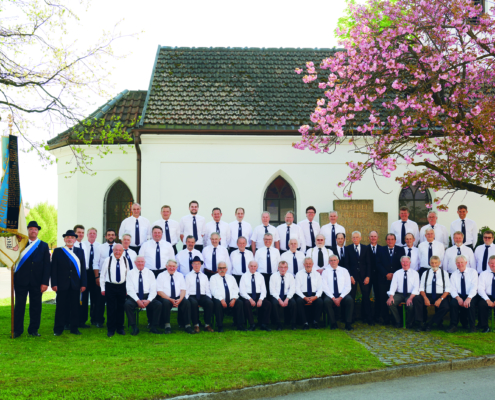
<point x="101" y="301"/>
<point x="289" y="313"/>
<point x="91" y="292"/>
<point x="303" y="308"/>
<point x="394" y="308"/>
<point x="209" y="273"/>
<point x="484" y="312"/>
<point x="267" y="279"/>
<point x="382" y="296"/>
<point x="67" y="309"/>
<point x="263" y="312"/>
<point x="366" y="314"/>
<point x="419" y="305"/>
<point x="135" y="248"/>
<point x="232" y="249"/>
<point x="198" y="247"/>
<point x="346" y="305"/>
<point x="35" y="295"/>
<point x="158" y="271"/>
<point x="468" y="315"/>
<point x="205" y="302"/>
<point x="422" y="271"/>
<point x="237" y="311"/>
<point x="153" y="310"/>
<point x="115" y="295"/>
<point x="237" y="279"/>
<point x="184" y="311"/>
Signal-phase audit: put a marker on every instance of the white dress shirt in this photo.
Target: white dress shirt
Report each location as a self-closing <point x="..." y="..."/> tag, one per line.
<point x="108" y="272"/>
<point x="182" y="258"/>
<point x="149" y="284"/>
<point x="173" y="229"/>
<point x="222" y="254"/>
<point x="128" y="225"/>
<point x="451" y="254"/>
<point x="295" y="233"/>
<point x="217" y="287"/>
<point x="102" y="254"/>
<point x="259" y="233"/>
<point x="87" y="251"/>
<point x="485" y="284"/>
<point x="471" y="230"/>
<point x="441" y="234"/>
<point x="414" y="257"/>
<point x="440" y="290"/>
<point x="186" y="227"/>
<point x="80" y="246"/>
<point x="247" y="232"/>
<point x="276" y="283"/>
<point x="288" y="257"/>
<point x="148" y="250"/>
<point x="397" y="284"/>
<point x="478" y="255"/>
<point x="245" y="285"/>
<point x="437" y="250"/>
<point x="306" y="231"/>
<point x="261" y="257"/>
<point x="163" y="283"/>
<point x="132" y="256"/>
<point x="302" y="283"/>
<point x="471" y="279"/>
<point x="313" y="253"/>
<point x="236" y="261"/>
<point x="211" y="227"/>
<point x="191" y="284"/>
<point x="326" y="230"/>
<point x="411" y="227"/>
<point x="343" y="281"/>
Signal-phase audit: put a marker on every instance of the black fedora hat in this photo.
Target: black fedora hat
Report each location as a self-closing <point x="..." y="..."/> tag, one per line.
<point x="34" y="224"/>
<point x="196" y="259"/>
<point x="70" y="232"/>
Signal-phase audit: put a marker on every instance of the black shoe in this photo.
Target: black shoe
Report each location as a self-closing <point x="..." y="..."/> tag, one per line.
<point x="333" y="326"/>
<point x="135" y="330"/>
<point x="66" y="327"/>
<point x="84" y="326"/>
<point x="121" y="332"/>
<point x="16" y="335"/>
<point x="75" y="332"/>
<point x="293" y="327"/>
<point x="189" y="330"/>
<point x="279" y="328"/>
<point x="155" y="331"/>
<point x="348" y="327"/>
<point x="168" y="330"/>
<point x="110" y="334"/>
<point x="57" y="333"/>
<point x="34" y="334"/>
<point x="452" y="329"/>
<point x="485" y="330"/>
<point x="315" y="325"/>
<point x="99" y="325"/>
<point x="241" y="328"/>
<point x="305" y="327"/>
<point x="265" y="328"/>
<point x="410" y="325"/>
<point x="371" y="323"/>
<point x="220" y="329"/>
<point x="252" y="328"/>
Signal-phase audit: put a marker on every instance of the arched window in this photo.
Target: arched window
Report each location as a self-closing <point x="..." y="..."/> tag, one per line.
<point x="118" y="204"/>
<point x="279" y="198"/>
<point x="415" y="201"/>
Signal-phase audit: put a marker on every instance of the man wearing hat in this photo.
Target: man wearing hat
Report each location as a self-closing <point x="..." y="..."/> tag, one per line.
<point x="69" y="280"/>
<point x="198" y="293"/>
<point x="31" y="275"/>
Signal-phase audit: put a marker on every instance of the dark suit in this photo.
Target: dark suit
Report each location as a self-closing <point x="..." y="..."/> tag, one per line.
<point x="359" y="267"/>
<point x="342" y="260"/>
<point x="28" y="279"/>
<point x="374" y="279"/>
<point x="65" y="277"/>
<point x="386" y="264"/>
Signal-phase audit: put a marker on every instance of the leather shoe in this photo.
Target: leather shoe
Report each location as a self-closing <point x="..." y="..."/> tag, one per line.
<point x="196" y="329"/>
<point x="84" y="326"/>
<point x="485" y="330"/>
<point x="265" y="328"/>
<point x="135" y="330"/>
<point x="154" y="331"/>
<point x="66" y="327"/>
<point x="348" y="327"/>
<point x="252" y="328"/>
<point x="16" y="335"/>
<point x="34" y="334"/>
<point x="315" y="325"/>
<point x="75" y="332"/>
<point x="334" y="326"/>
<point x="99" y="325"/>
<point x="168" y="330"/>
<point x="220" y="330"/>
<point x="452" y="329"/>
<point x="190" y="330"/>
<point x="305" y="327"/>
<point x="121" y="332"/>
<point x="209" y="329"/>
<point x="110" y="334"/>
<point x="427" y="328"/>
<point x="57" y="333"/>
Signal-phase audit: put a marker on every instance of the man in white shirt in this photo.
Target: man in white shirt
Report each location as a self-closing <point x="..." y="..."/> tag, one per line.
<point x="93" y="291"/>
<point x="141" y="293"/>
<point x="184" y="257"/>
<point x="239" y="228"/>
<point x="128" y="252"/>
<point x="172" y="291"/>
<point x="294" y="258"/>
<point x="441" y="234"/>
<point x="267" y="258"/>
<point x="329" y="231"/>
<point x="310" y="228"/>
<point x="288" y="231"/>
<point x="404" y="225"/>
<point x="213" y="254"/>
<point x="225" y="293"/>
<point x="113" y="287"/>
<point x="157" y="252"/>
<point x="459" y="248"/>
<point x="428" y="249"/>
<point x="240" y="259"/>
<point x="309" y="290"/>
<point x="464" y="290"/>
<point x="320" y="254"/>
<point x="336" y="283"/>
<point x="434" y="288"/>
<point x="282" y="290"/>
<point x="137" y="226"/>
<point x="170" y="227"/>
<point x="198" y="293"/>
<point x="486" y="290"/>
<point x="412" y="252"/>
<point x="484" y="252"/>
<point x="259" y="233"/>
<point x="218" y="226"/>
<point x="403" y="289"/>
<point x="466" y="226"/>
<point x="193" y="225"/>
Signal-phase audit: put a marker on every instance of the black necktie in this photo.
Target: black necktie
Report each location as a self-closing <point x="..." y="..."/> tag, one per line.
<point x="430" y="254"/>
<point x="110" y="251"/>
<point x="458" y="251"/>
<point x="403" y="233"/>
<point x="485" y="258"/>
<point x="357" y="251"/>
<point x="227" y="291"/>
<point x="91" y="257"/>
<point x="374" y="249"/>
<point x="80" y="245"/>
<point x="198" y="287"/>
<point x="463" y="230"/>
<point x="239" y="230"/>
<point x="391" y="252"/>
<point x="218" y="231"/>
<point x="195" y="229"/>
<point x="158" y="261"/>
<point x="434" y="286"/>
<point x="310" y="289"/>
<point x="190" y="260"/>
<point x="117" y="273"/>
<point x="268" y="261"/>
<point x="409" y="253"/>
<point x="140" y="286"/>
<point x="404" y="285"/>
<point x="253" y="287"/>
<point x="172" y="287"/>
<point x="295" y="267"/>
<point x="266" y="229"/>
<point x="243" y="262"/>
<point x="493" y="285"/>
<point x="334" y="241"/>
<point x="137" y="240"/>
<point x="312" y="234"/>
<point x="336" y="292"/>
<point x="320" y="258"/>
<point x="214" y="260"/>
<point x="128" y="259"/>
<point x="167" y="233"/>
<point x="282" y="289"/>
<point x="463" y="286"/>
<point x="341" y="253"/>
<point x="287" y="238"/>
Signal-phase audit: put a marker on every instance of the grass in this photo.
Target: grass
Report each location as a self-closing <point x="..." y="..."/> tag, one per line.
<point x="150" y="366"/>
<point x="480" y="344"/>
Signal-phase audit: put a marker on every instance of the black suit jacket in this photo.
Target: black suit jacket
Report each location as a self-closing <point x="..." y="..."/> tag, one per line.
<point x="373" y="258"/>
<point x="386" y="264"/>
<point x="36" y="269"/>
<point x="64" y="274"/>
<point x="359" y="267"/>
<point x="342" y="260"/>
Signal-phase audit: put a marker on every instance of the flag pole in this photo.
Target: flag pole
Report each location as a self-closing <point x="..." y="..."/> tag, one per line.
<point x="12" y="302"/>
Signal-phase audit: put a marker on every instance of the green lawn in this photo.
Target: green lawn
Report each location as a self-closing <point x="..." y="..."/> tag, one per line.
<point x="149" y="366"/>
<point x="479" y="343"/>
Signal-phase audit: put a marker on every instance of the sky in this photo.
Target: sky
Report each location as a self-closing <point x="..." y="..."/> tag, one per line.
<point x="203" y="23"/>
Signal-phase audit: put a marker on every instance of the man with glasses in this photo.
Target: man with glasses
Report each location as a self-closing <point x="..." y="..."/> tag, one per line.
<point x="484" y="252"/>
<point x="320" y="254"/>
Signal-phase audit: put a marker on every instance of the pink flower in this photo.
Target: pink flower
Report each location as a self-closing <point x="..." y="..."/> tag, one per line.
<point x="298" y="71"/>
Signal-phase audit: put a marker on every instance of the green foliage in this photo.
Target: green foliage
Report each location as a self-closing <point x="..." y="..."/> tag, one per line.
<point x="46" y="216"/>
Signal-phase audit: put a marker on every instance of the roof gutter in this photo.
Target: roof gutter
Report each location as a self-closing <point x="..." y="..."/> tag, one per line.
<point x="137" y="141"/>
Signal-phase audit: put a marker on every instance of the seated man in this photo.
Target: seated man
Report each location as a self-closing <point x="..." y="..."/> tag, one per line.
<point x="464" y="290"/>
<point x="198" y="293"/>
<point x="282" y="290"/>
<point x="171" y="288"/>
<point x="141" y="292"/>
<point x="434" y="289"/>
<point x="337" y="292"/>
<point x="309" y="291"/>
<point x="225" y="294"/>
<point x="486" y="290"/>
<point x="403" y="289"/>
<point x="253" y="292"/>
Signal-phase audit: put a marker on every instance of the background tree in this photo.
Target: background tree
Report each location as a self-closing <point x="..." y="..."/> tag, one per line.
<point x="46" y="216"/>
<point x="417" y="90"/>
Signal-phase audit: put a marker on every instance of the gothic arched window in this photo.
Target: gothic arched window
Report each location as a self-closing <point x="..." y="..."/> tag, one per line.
<point x="279" y="198"/>
<point x="118" y="204"/>
<point x="415" y="201"/>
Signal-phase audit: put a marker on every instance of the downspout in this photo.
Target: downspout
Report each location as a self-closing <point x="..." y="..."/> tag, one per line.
<point x="137" y="140"/>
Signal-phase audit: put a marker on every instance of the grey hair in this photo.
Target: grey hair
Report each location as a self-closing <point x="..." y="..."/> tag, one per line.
<point x="461" y="256"/>
<point x="359" y="233"/>
<point x="409" y="258"/>
<point x="333" y="212"/>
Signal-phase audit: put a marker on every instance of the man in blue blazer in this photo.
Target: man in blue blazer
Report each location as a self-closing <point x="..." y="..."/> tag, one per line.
<point x="374" y="246"/>
<point x="69" y="281"/>
<point x="31" y="275"/>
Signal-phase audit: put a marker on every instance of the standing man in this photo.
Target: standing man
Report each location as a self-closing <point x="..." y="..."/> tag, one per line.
<point x="309" y="290"/>
<point x="412" y="252"/>
<point x="374" y="248"/>
<point x="486" y="290"/>
<point x="330" y="231"/>
<point x="240" y="259"/>
<point x="310" y="228"/>
<point x="466" y="226"/>
<point x="184" y="257"/>
<point x="294" y="258"/>
<point x="83" y="312"/>
<point x="128" y="252"/>
<point x="213" y="254"/>
<point x="339" y="249"/>
<point x="157" y="252"/>
<point x="217" y="226"/>
<point x="137" y="226"/>
<point x="289" y="231"/>
<point x="459" y="248"/>
<point x="198" y="293"/>
<point x="320" y="254"/>
<point x="68" y="279"/>
<point x="267" y="259"/>
<point x="79" y="229"/>
<point x="404" y="225"/>
<point x="428" y="249"/>
<point x="257" y="240"/>
<point x="483" y="253"/>
<point x="193" y="225"/>
<point x="282" y="290"/>
<point x="92" y="292"/>
<point x="239" y="228"/>
<point x="169" y="226"/>
<point x="441" y="234"/>
<point x="31" y="275"/>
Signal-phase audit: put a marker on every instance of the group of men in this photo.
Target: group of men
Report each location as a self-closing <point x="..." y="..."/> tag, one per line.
<point x="289" y="274"/>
